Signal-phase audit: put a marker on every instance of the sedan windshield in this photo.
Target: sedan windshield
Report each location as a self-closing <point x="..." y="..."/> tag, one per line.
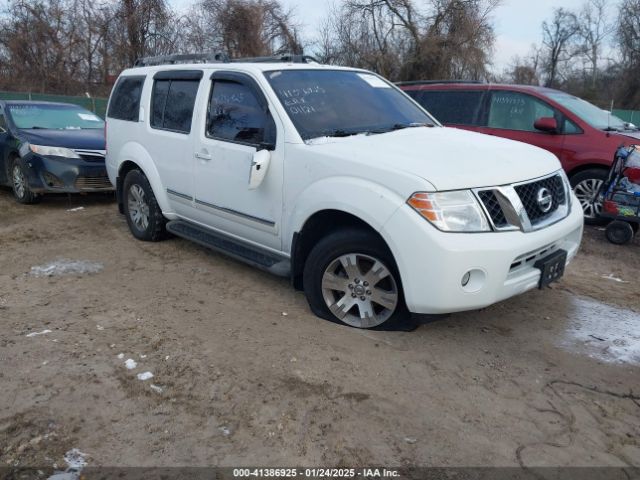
<point x="28" y="116"/>
<point x="339" y="103"/>
<point x="589" y="113"/>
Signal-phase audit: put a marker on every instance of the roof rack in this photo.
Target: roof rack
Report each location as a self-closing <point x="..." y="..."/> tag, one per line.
<point x="288" y="58"/>
<point x="431" y="82"/>
<point x="182" y="58"/>
<point x="219" y="58"/>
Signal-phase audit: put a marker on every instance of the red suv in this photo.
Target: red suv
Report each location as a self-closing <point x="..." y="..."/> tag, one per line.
<point x="581" y="135"/>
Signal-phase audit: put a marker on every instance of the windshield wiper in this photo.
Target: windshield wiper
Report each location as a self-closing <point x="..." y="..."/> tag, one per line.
<point x="400" y="126"/>
<point x="340" y="132"/>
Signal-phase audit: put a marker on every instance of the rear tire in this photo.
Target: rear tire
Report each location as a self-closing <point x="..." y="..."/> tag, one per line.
<point x="619" y="232"/>
<point x="586" y="185"/>
<point x="351" y="277"/>
<point x="20" y="184"/>
<point x="144" y="215"/>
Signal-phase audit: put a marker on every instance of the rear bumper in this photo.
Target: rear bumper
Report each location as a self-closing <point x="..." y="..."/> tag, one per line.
<point x="65" y="175"/>
<point x="432" y="263"/>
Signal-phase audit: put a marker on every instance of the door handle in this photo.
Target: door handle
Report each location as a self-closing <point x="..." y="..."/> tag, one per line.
<point x="203" y="156"/>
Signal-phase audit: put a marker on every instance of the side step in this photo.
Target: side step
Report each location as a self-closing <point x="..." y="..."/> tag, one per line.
<point x="255" y="256"/>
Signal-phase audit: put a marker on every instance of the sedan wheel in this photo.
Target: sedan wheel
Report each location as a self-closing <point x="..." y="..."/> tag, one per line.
<point x="19" y="181"/>
<point x="586" y="192"/>
<point x="360" y="290"/>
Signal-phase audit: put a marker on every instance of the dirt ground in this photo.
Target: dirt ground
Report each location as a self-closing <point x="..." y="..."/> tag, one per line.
<point x="244" y="374"/>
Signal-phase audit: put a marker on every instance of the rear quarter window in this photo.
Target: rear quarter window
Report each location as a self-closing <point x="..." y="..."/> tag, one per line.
<point x="451" y="106"/>
<point x="125" y="99"/>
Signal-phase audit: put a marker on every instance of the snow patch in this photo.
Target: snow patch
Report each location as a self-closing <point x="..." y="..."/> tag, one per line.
<point x="64" y="266"/>
<point x="130" y="363"/>
<point x="615" y="279"/>
<point x="145" y="376"/>
<point x="75" y="459"/>
<point x="156" y="388"/>
<point x="603" y="332"/>
<point x="33" y="334"/>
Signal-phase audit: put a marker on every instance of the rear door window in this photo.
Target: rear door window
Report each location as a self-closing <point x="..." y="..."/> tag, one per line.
<point x="454" y="107"/>
<point x="172" y="103"/>
<point x="125" y="100"/>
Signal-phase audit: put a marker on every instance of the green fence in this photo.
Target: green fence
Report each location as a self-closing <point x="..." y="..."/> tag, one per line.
<point x="632" y="116"/>
<point x="96" y="105"/>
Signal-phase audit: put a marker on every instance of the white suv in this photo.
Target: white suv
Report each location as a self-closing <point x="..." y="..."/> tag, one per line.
<point x="334" y="177"/>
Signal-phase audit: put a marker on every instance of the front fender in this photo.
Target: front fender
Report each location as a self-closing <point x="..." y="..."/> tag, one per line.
<point x="371" y="202"/>
<point x="136" y="153"/>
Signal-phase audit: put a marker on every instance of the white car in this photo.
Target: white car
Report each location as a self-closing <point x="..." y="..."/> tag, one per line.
<point x="334" y="177"/>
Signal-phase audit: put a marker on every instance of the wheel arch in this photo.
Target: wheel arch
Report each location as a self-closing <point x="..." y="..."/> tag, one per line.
<point x="588" y="166"/>
<point x="134" y="156"/>
<point x="8" y="160"/>
<point x="317" y="226"/>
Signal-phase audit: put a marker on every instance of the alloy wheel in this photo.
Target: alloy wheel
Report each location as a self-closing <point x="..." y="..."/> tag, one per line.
<point x="19" y="182"/>
<point x="586" y="192"/>
<point x="138" y="207"/>
<point x="360" y="290"/>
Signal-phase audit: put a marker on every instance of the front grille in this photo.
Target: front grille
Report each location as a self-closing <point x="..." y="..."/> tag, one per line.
<point x="494" y="209"/>
<point x="100" y="182"/>
<point x="528" y="193"/>
<point x="91" y="155"/>
<point x="92" y="158"/>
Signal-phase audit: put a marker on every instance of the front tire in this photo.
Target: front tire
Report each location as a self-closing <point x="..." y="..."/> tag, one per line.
<point x="20" y="184"/>
<point x="144" y="215"/>
<point x="350" y="277"/>
<point x="586" y="185"/>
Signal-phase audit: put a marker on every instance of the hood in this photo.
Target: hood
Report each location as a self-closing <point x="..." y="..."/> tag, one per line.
<point x="88" y="139"/>
<point x="629" y="134"/>
<point x="448" y="158"/>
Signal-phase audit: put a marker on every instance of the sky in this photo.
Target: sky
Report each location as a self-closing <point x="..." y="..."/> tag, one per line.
<point x="517" y="22"/>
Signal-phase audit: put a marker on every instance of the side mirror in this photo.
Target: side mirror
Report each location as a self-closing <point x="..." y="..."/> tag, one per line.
<point x="546" y="124"/>
<point x="259" y="166"/>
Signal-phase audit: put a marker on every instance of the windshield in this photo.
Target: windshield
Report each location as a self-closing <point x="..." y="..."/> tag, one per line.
<point x="341" y="102"/>
<point x="589" y="113"/>
<point x="27" y="116"/>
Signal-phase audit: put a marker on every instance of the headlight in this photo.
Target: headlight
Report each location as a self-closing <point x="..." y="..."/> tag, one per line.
<point x="53" y="151"/>
<point x="568" y="187"/>
<point x="457" y="211"/>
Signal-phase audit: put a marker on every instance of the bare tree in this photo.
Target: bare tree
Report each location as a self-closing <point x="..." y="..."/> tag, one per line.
<point x="449" y="39"/>
<point x="558" y="42"/>
<point x="594" y="30"/>
<point x="243" y="28"/>
<point x="628" y="30"/>
<point x="524" y="70"/>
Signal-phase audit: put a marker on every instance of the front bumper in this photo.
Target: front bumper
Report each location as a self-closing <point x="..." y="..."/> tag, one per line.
<point x="65" y="175"/>
<point x="432" y="263"/>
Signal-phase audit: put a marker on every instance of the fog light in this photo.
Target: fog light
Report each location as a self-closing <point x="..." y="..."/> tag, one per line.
<point x="51" y="180"/>
<point x="473" y="280"/>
